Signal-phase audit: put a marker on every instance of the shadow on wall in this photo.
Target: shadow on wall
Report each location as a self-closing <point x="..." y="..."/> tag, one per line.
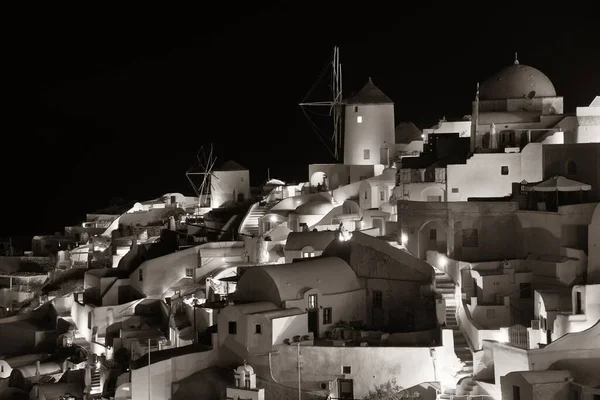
<point x="140" y="253"/>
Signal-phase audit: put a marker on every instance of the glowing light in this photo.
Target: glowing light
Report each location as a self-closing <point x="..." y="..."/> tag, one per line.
<point x="442" y="261"/>
<point x="273" y="218"/>
<point x="223" y="259"/>
<point x="194" y="301"/>
<point x="404" y="239"/>
<point x="345" y="236"/>
<point x="359" y="119"/>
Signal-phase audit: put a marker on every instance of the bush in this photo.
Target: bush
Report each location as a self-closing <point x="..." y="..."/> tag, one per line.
<point x="390" y="391"/>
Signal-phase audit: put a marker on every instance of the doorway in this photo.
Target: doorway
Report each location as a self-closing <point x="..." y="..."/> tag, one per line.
<point x="313" y="322"/>
<point x="578" y="308"/>
<point x="345" y="389"/>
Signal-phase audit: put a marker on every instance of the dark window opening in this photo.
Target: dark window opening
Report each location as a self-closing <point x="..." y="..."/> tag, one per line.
<point x="232" y="327"/>
<point x="504" y="170"/>
<point x="346" y="369"/>
<point x="377" y="299"/>
<point x="258" y="329"/>
<point x="327" y="316"/>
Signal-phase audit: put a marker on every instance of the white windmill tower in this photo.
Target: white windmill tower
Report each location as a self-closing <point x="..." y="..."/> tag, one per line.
<point x="201" y="176"/>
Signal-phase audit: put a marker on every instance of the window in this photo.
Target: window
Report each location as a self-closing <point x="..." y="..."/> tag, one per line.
<point x="525" y="290"/>
<point x="516" y="393"/>
<point x="312" y="301"/>
<point x="543" y="323"/>
<point x="232" y="327"/>
<point x="571" y="168"/>
<point x="189" y="272"/>
<point x="366" y="154"/>
<point x="504" y="170"/>
<point x="377" y="299"/>
<point x="90" y="320"/>
<point x="454" y="190"/>
<point x="365" y="195"/>
<point x="346" y="369"/>
<point x="491" y="314"/>
<point x="258" y="329"/>
<point x="326" y="315"/>
<point x="434" y="198"/>
<point x="359" y="119"/>
<point x="141" y="275"/>
<point x="433" y="234"/>
<point x="381" y="195"/>
<point x="355" y="108"/>
<point x="2" y="368"/>
<point x="470" y="238"/>
<point x="307" y="254"/>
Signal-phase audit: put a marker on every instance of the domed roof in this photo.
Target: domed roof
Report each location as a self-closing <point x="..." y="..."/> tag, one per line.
<point x="315" y="207"/>
<point x="516" y="82"/>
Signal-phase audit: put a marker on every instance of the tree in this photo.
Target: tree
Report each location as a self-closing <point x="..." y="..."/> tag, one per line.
<point x="390" y="391"/>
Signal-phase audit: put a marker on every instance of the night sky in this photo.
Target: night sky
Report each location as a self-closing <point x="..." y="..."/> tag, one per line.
<point x="123" y="100"/>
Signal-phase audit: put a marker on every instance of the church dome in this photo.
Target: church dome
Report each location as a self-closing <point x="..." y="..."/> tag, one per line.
<point x="516" y="82"/>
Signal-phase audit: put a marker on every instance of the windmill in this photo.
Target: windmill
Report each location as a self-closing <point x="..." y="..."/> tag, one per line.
<point x="200" y="174"/>
<point x="335" y="105"/>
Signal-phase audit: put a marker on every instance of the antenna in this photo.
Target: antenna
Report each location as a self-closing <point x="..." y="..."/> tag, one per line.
<point x="200" y="175"/>
<point x="335" y="104"/>
<point x="516" y="58"/>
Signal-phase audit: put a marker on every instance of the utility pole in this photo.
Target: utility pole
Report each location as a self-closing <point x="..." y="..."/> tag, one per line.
<point x="299" y="380"/>
<point x="149" y="380"/>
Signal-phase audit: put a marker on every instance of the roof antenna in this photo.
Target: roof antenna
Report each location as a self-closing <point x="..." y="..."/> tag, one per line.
<point x="516" y="59"/>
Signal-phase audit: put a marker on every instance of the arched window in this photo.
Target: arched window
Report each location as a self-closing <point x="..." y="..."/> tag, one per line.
<point x="571" y="168"/>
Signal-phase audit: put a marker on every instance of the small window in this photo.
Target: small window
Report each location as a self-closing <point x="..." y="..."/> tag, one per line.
<point x="433" y="234"/>
<point x="525" y="289"/>
<point x="346" y="369"/>
<point x="381" y="195"/>
<point x="355" y="108"/>
<point x="312" y="301"/>
<point x="434" y="198"/>
<point x="504" y="170"/>
<point x="189" y="272"/>
<point x="359" y="119"/>
<point x="232" y="327"/>
<point x="89" y="321"/>
<point x="365" y="195"/>
<point x="454" y="190"/>
<point x="141" y="274"/>
<point x="308" y="254"/>
<point x="377" y="299"/>
<point x="327" y="316"/>
<point x="258" y="329"/>
<point x="491" y="314"/>
<point x="367" y="154"/>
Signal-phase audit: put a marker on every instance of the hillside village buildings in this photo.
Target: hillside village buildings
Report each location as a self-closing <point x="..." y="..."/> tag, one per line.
<point x="460" y="261"/>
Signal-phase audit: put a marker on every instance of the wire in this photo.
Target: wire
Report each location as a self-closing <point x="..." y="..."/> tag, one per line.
<point x="320" y="78"/>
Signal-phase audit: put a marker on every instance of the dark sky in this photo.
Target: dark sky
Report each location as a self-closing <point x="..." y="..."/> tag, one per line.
<point x="123" y="99"/>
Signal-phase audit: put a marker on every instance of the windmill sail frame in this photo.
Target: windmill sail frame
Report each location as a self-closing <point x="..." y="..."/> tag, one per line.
<point x="335" y="105"/>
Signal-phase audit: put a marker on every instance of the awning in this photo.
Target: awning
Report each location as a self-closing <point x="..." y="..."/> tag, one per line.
<point x="560" y="184"/>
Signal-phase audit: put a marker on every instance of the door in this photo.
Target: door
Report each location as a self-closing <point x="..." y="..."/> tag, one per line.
<point x="578" y="307"/>
<point x="345" y="389"/>
<point x="313" y="322"/>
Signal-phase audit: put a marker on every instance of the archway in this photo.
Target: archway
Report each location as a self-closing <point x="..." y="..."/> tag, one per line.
<point x="432" y="236"/>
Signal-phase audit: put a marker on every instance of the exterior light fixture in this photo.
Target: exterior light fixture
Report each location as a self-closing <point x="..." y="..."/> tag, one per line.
<point x="404" y="239"/>
<point x="442" y="261"/>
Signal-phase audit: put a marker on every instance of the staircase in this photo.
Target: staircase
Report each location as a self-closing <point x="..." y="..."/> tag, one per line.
<point x="96" y="388"/>
<point x="446" y="287"/>
<point x="249" y="225"/>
